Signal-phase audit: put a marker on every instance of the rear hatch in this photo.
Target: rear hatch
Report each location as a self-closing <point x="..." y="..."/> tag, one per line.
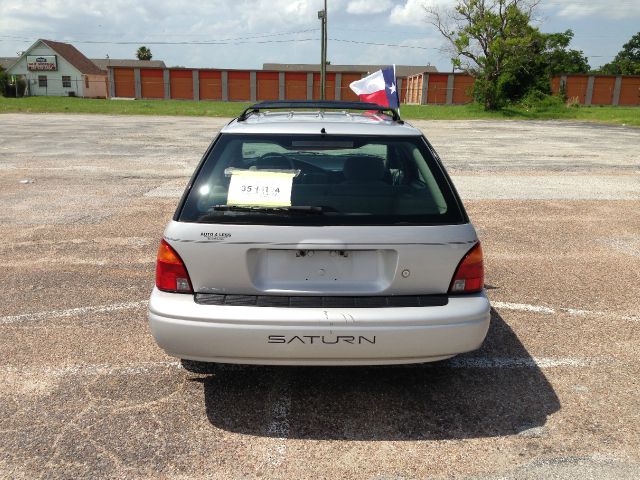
<point x="310" y="215"/>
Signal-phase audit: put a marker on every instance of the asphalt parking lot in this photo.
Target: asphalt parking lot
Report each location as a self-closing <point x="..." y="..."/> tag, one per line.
<point x="85" y="392"/>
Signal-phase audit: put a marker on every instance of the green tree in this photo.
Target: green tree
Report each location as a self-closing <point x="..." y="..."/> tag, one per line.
<point x="559" y="59"/>
<point x="144" y="53"/>
<point x="627" y="61"/>
<point x="488" y="38"/>
<point x="548" y="55"/>
<point x="494" y="41"/>
<point x="4" y="81"/>
<point x="525" y="73"/>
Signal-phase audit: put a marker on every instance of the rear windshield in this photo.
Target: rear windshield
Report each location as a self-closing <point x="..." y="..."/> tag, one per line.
<point x="321" y="180"/>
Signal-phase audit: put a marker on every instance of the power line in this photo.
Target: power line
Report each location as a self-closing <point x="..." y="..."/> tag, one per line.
<point x="260" y="35"/>
<point x="237" y="42"/>
<point x="249" y="40"/>
<point x="189" y="42"/>
<point x="382" y="44"/>
<point x="194" y="42"/>
<point x="247" y="37"/>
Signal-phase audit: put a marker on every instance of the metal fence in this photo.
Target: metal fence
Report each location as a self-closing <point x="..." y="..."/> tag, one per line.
<point x="231" y="85"/>
<point x="430" y="88"/>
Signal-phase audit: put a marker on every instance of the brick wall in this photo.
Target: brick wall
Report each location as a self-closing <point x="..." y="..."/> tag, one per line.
<point x="424" y="88"/>
<point x="231" y="85"/>
<point x="600" y="89"/>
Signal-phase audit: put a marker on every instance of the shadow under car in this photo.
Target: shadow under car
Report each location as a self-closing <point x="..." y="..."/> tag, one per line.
<point x="494" y="391"/>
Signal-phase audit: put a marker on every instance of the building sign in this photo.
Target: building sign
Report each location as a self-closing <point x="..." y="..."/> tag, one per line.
<point x="42" y="63"/>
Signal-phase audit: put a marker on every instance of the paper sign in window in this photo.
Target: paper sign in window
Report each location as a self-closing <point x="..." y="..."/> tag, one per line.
<point x="260" y="188"/>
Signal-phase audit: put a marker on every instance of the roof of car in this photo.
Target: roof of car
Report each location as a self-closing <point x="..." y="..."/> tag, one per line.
<point x="338" y="118"/>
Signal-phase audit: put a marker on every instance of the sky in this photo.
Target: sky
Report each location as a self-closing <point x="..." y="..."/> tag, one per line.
<point x="248" y="33"/>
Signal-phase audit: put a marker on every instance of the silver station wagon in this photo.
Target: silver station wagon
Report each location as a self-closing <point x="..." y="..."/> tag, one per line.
<point x="319" y="233"/>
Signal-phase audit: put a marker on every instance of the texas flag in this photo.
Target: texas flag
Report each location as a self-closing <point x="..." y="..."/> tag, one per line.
<point x="379" y="87"/>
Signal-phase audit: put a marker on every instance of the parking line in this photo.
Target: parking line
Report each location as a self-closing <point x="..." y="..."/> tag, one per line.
<point x="525" y="307"/>
<point x="523" y="362"/>
<point x="72" y="312"/>
<point x="279" y="425"/>
<point x="89" y="369"/>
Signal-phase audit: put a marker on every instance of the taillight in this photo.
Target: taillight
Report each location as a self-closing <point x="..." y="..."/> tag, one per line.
<point x="171" y="274"/>
<point x="469" y="276"/>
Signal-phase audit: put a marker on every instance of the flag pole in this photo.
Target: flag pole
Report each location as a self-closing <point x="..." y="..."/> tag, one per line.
<point x="322" y="15"/>
<point x="397" y="92"/>
<point x="324" y="57"/>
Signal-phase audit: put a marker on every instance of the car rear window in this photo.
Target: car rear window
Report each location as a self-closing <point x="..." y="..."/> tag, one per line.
<point x="321" y="180"/>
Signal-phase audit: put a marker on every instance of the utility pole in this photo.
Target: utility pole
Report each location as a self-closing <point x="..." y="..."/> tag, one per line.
<point x="322" y="15"/>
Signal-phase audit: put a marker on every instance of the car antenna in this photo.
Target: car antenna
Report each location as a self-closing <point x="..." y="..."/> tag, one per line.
<point x="323" y="131"/>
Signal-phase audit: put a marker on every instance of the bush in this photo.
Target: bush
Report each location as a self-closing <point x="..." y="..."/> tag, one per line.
<point x="4" y="81"/>
<point x="562" y="93"/>
<point x="573" y="102"/>
<point x="9" y="90"/>
<point x="536" y="100"/>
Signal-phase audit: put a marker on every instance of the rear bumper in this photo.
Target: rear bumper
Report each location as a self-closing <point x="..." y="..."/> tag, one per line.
<point x="317" y="336"/>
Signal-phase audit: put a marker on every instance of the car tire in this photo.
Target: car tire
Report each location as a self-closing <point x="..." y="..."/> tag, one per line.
<point x="194" y="366"/>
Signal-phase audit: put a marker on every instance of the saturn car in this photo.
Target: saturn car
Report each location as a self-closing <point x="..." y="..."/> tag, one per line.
<point x="319" y="233"/>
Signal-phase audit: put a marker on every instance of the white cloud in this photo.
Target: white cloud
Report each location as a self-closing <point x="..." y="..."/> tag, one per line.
<point x="367" y="7"/>
<point x="412" y="12"/>
<point x="402" y="21"/>
<point x="269" y="14"/>
<point x="594" y="8"/>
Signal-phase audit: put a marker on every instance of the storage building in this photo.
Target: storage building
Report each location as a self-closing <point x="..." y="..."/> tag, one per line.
<point x="59" y="69"/>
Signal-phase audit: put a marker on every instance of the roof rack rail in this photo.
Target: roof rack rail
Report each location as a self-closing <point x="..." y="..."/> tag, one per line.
<point x="317" y="104"/>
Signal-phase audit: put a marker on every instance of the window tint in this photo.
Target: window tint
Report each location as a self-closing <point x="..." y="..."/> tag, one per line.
<point x="321" y="180"/>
